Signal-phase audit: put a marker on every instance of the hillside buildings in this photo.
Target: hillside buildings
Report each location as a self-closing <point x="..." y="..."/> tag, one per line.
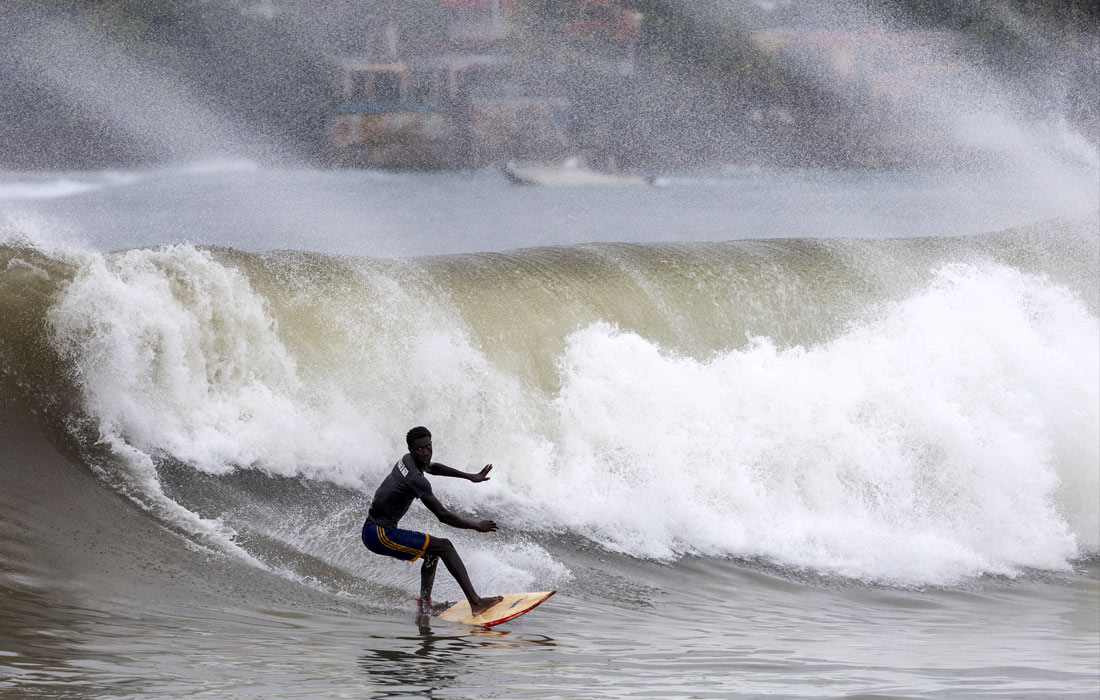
<point x="466" y="83"/>
<point x="473" y="84"/>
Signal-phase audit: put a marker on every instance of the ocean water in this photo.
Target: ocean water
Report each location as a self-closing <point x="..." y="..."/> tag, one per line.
<point x="768" y="433"/>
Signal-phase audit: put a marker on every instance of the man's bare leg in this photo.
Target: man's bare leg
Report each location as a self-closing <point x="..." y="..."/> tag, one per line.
<point x="443" y="549"/>
<point x="427" y="581"/>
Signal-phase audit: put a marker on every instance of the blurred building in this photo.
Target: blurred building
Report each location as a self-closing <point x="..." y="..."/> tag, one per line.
<point x="879" y="70"/>
<point x="872" y="85"/>
<point x="464" y="83"/>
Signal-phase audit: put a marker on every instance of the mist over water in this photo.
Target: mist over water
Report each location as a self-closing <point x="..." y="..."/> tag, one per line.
<point x="824" y="83"/>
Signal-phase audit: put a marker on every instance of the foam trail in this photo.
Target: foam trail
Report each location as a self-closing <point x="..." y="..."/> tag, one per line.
<point x="138" y="480"/>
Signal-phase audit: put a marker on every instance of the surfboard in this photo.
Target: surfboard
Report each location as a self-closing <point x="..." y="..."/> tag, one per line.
<point x="511" y="606"/>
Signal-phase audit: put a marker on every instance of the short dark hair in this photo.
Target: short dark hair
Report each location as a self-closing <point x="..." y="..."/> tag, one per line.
<point x="417" y="433"/>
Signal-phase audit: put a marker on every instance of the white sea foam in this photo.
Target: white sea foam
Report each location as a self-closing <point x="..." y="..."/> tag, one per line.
<point x="516" y="567"/>
<point x="951" y="434"/>
<point x="955" y="434"/>
<point x="178" y="355"/>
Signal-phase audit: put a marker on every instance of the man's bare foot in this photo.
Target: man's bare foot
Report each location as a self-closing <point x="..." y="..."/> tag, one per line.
<point x="484" y="604"/>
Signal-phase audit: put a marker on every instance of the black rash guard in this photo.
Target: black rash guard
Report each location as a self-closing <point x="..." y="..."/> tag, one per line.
<point x="396" y="493"/>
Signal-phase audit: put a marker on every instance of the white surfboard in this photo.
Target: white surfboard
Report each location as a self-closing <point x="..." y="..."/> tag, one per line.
<point x="511" y="606"/>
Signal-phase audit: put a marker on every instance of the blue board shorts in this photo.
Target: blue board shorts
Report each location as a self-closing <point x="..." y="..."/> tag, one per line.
<point x="407" y="545"/>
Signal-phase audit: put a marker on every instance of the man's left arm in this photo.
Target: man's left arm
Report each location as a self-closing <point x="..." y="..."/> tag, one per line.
<point x="437" y="469"/>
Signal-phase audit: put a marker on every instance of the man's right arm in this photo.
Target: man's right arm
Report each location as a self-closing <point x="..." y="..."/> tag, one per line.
<point x="448" y="518"/>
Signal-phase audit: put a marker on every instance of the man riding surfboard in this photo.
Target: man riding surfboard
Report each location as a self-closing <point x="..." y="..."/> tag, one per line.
<point x="406" y="482"/>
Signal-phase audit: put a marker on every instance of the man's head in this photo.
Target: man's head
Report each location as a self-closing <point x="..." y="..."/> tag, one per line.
<point x="419" y="440"/>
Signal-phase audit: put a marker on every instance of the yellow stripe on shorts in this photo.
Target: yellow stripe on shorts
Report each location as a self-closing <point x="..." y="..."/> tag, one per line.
<point x="400" y="547"/>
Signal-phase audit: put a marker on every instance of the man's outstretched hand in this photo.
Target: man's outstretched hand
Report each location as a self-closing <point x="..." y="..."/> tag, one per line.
<point x="486" y="526"/>
<point x="482" y="475"/>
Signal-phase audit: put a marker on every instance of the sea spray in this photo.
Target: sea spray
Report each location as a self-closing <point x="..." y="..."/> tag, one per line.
<point x="173" y="352"/>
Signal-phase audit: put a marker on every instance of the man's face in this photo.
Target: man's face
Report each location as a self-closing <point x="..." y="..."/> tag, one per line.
<point x="421" y="451"/>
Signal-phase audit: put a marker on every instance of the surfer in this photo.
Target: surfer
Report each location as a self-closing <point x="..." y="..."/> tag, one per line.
<point x="405" y="482"/>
